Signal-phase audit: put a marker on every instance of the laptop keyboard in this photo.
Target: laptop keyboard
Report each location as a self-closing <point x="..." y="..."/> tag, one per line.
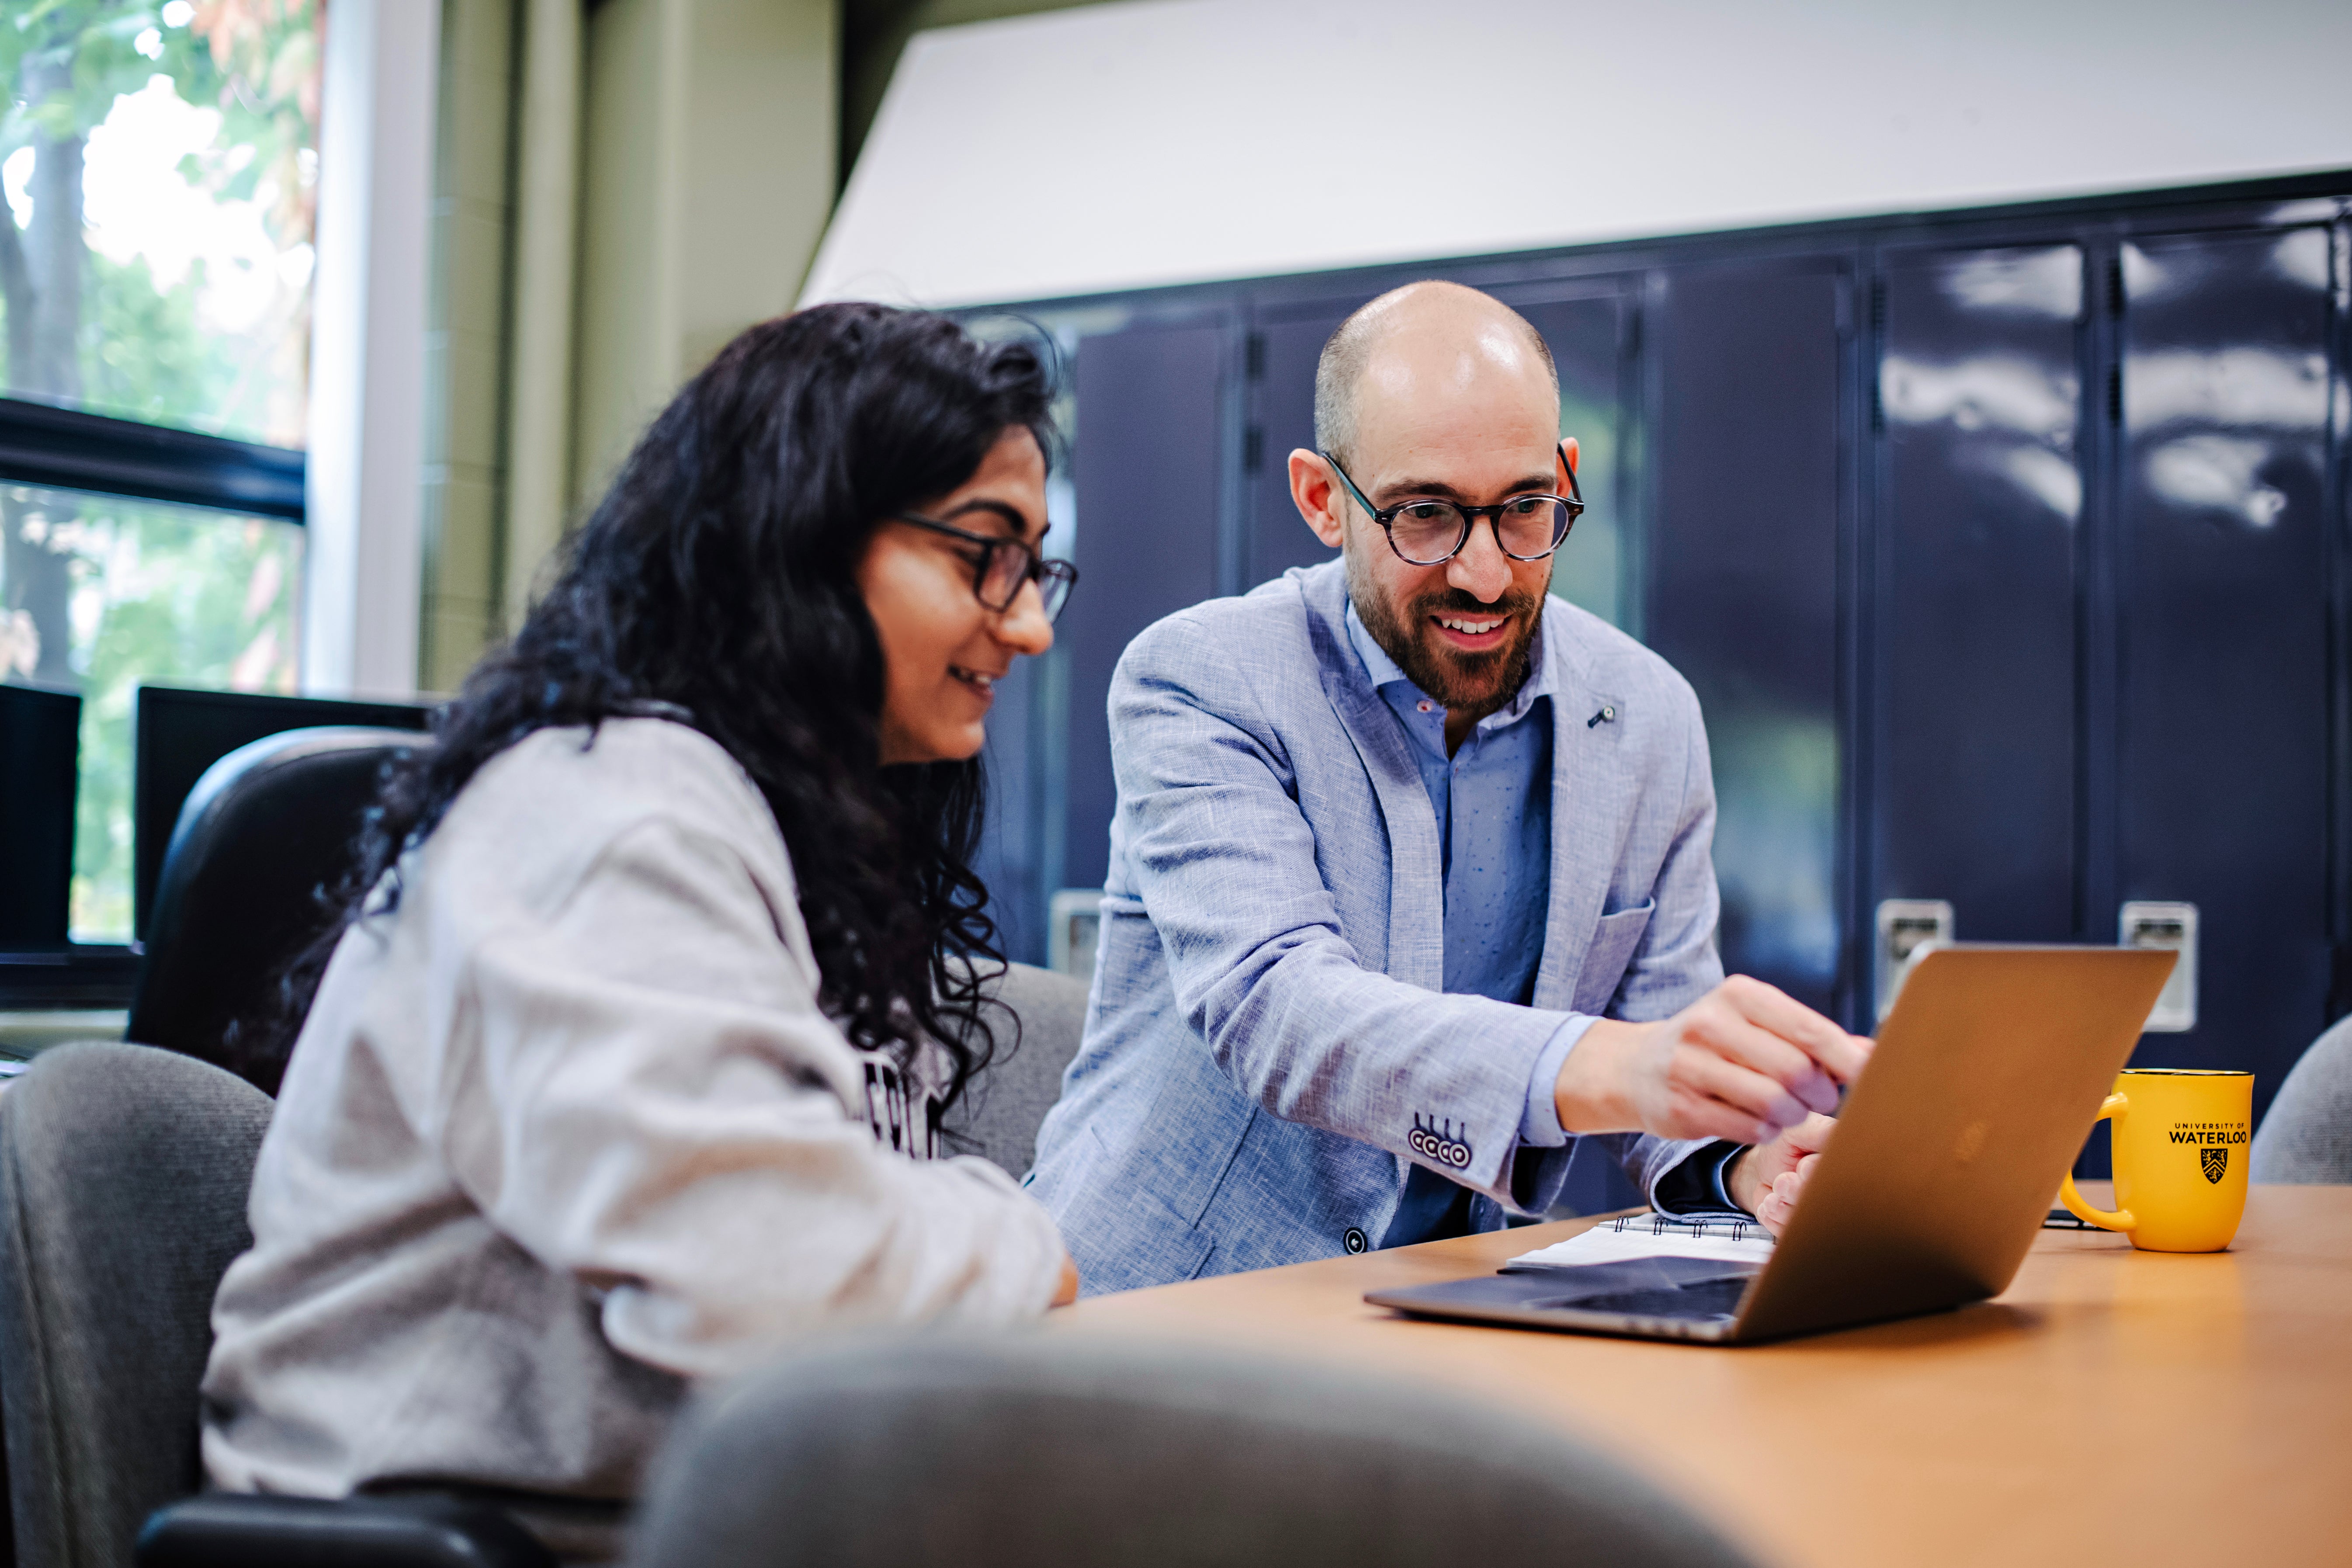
<point x="1708" y="1300"/>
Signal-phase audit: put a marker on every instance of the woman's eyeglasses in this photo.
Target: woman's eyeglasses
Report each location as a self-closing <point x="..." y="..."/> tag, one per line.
<point x="1428" y="532"/>
<point x="1005" y="565"/>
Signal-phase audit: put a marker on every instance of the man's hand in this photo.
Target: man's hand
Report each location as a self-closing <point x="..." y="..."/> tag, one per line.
<point x="1067" y="1291"/>
<point x="1745" y="1062"/>
<point x="1765" y="1180"/>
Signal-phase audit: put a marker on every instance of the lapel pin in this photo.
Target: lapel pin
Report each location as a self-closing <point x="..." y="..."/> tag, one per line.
<point x="1608" y="714"/>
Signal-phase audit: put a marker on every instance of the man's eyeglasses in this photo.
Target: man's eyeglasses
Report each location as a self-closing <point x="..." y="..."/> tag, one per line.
<point x="1005" y="565"/>
<point x="1431" y="532"/>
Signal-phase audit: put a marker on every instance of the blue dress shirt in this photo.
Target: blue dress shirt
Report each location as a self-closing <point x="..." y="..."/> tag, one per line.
<point x="1493" y="802"/>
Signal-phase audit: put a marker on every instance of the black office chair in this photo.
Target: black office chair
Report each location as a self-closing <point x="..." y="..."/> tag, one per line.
<point x="124" y="1175"/>
<point x="266" y="829"/>
<point x="1001" y="1108"/>
<point x="900" y="1451"/>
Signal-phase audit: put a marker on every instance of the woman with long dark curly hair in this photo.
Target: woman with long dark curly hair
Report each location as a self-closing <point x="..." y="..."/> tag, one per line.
<point x="626" y="1067"/>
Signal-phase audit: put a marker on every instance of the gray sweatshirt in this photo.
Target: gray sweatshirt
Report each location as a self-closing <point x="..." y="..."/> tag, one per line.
<point x="567" y="1132"/>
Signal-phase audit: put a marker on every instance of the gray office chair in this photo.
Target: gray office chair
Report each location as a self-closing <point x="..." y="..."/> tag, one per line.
<point x="123" y="1177"/>
<point x="900" y="1451"/>
<point x="2306" y="1138"/>
<point x="1000" y="1109"/>
<point x="123" y="1183"/>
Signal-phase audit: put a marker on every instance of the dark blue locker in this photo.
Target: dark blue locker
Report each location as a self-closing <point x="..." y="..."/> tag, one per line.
<point x="1589" y="344"/>
<point x="1145" y="464"/>
<point x="1282" y="417"/>
<point x="1011" y="860"/>
<point x="1743" y="579"/>
<point x="2224" y="657"/>
<point x="1981" y="507"/>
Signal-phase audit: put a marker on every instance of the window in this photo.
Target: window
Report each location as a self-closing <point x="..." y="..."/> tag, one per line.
<point x="173" y="594"/>
<point x="159" y="166"/>
<point x="161" y="169"/>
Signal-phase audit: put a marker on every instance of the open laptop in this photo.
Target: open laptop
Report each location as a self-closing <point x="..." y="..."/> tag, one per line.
<point x="1987" y="1076"/>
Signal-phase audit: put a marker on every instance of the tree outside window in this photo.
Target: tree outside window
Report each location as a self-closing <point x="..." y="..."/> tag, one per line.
<point x="159" y="163"/>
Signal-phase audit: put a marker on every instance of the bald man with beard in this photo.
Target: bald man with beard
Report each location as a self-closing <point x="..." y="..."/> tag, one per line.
<point x="1410" y="902"/>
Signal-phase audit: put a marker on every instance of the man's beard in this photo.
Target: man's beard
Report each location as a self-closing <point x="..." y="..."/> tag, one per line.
<point x="1474" y="683"/>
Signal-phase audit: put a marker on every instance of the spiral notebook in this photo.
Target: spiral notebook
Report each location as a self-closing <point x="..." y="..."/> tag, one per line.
<point x="1733" y="1238"/>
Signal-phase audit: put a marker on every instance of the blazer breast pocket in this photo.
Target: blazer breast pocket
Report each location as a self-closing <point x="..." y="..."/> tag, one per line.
<point x="1615" y="938"/>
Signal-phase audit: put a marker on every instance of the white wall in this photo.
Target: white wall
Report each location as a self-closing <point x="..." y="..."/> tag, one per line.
<point x="1160" y="142"/>
<point x="363" y="568"/>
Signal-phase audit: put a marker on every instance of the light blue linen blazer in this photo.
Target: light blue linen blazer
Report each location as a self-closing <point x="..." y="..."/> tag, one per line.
<point x="1267" y="1051"/>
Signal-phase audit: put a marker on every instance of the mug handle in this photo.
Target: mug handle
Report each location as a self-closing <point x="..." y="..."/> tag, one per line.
<point x="2118" y="1219"/>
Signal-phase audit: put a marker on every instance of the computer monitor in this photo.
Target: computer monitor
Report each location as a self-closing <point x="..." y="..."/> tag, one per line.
<point x="39" y="755"/>
<point x="177" y="734"/>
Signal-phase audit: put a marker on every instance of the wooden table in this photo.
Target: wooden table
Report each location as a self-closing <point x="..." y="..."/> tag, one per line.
<point x="2111" y="1408"/>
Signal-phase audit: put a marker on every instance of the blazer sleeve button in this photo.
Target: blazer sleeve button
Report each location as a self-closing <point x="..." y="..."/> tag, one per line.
<point x="1355" y="1240"/>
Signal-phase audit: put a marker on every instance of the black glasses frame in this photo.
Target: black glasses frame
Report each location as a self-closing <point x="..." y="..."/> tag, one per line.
<point x="1572" y="503"/>
<point x="1040" y="570"/>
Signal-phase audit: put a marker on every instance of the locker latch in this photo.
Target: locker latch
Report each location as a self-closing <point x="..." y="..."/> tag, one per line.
<point x="2147" y="924"/>
<point x="1906" y="927"/>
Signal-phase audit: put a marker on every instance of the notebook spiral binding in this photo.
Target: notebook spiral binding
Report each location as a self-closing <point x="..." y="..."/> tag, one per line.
<point x="1727" y="1226"/>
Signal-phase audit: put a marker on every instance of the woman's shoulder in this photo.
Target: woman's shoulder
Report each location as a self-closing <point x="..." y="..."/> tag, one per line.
<point x="624" y="767"/>
<point x="541" y="812"/>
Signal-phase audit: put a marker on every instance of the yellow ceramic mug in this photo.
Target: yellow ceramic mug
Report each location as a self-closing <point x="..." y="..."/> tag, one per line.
<point x="2180" y="1138"/>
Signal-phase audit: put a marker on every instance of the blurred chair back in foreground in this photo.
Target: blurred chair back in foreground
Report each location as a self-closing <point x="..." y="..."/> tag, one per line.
<point x="899" y="1451"/>
<point x="2307" y="1136"/>
<point x="266" y="829"/>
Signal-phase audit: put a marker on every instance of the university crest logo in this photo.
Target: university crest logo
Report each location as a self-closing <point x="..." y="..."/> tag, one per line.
<point x="2217" y="1162"/>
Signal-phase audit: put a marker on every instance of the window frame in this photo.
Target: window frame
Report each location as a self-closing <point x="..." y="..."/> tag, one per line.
<point x="70" y="449"/>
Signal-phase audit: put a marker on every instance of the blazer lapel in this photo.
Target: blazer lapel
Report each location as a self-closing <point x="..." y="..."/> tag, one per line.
<point x="1588" y="781"/>
<point x="1416" y="933"/>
